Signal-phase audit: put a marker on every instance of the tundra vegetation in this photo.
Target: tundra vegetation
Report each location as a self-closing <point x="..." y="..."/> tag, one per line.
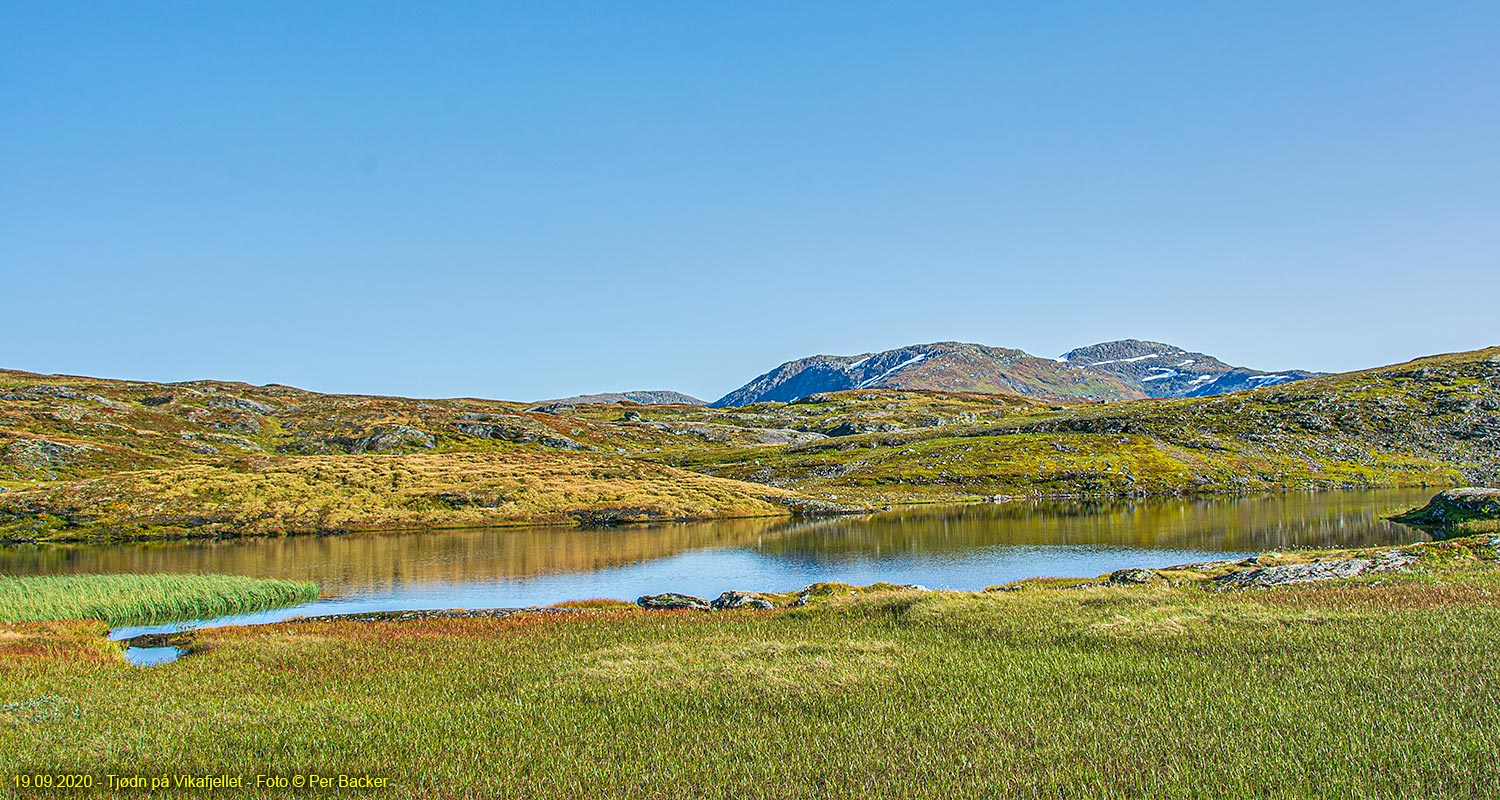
<point x="87" y="458"/>
<point x="1314" y="673"/>
<point x="1185" y="682"/>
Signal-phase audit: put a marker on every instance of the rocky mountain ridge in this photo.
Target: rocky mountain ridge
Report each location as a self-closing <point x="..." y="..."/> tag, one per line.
<point x="941" y="366"/>
<point x="649" y="397"/>
<point x="1163" y="370"/>
<point x="1127" y="369"/>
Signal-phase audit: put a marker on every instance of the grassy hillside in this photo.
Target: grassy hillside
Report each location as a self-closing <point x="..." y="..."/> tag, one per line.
<point x="84" y="457"/>
<point x="61" y="427"/>
<point x="347" y="493"/>
<point x="58" y="427"/>
<point x="1379" y="686"/>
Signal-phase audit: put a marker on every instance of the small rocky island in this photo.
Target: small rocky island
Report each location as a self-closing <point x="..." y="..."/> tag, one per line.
<point x="1458" y="511"/>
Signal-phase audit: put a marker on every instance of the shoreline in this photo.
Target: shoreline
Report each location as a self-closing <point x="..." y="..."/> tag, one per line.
<point x="1266" y="570"/>
<point x="578" y="524"/>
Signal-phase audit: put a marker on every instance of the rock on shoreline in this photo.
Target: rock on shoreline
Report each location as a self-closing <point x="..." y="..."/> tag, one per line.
<point x="1471" y="510"/>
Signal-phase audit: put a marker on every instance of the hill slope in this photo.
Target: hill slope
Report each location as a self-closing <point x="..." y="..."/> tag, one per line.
<point x="83" y="456"/>
<point x="320" y="494"/>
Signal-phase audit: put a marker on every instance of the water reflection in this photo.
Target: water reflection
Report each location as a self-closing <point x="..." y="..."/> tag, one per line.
<point x="965" y="547"/>
<point x="1268" y="522"/>
<point x="151" y="656"/>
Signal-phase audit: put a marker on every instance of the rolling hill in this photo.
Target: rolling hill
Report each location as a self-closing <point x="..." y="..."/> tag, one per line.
<point x="85" y="457"/>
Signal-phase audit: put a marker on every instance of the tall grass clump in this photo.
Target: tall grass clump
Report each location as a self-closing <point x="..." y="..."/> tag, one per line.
<point x="143" y="599"/>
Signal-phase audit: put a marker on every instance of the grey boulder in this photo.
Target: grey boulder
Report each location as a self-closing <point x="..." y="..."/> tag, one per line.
<point x="672" y="601"/>
<point x="732" y="600"/>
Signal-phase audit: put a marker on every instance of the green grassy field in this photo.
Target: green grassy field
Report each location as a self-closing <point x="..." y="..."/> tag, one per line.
<point x="142" y="599"/>
<point x="1381" y="686"/>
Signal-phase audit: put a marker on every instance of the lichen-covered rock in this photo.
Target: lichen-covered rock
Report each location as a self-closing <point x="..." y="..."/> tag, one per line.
<point x="853" y="428"/>
<point x="1469" y="509"/>
<point x="672" y="601"/>
<point x="242" y="404"/>
<point x="733" y="600"/>
<point x="41" y="453"/>
<point x="41" y="391"/>
<point x="1134" y="576"/>
<point x="519" y="431"/>
<point x="1282" y="575"/>
<point x="386" y="438"/>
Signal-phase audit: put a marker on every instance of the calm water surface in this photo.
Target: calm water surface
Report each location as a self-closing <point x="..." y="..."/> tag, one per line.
<point x="967" y="547"/>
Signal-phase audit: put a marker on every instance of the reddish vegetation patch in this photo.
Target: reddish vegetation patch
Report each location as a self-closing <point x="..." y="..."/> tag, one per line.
<point x="409" y="630"/>
<point x="58" y="641"/>
<point x="596" y="603"/>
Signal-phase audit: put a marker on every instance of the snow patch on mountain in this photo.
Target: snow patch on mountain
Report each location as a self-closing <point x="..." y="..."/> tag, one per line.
<point x="1124" y="369"/>
<point x="882" y="376"/>
<point x="1121" y="361"/>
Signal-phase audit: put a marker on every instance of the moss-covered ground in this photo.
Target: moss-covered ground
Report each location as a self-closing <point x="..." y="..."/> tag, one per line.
<point x="309" y="494"/>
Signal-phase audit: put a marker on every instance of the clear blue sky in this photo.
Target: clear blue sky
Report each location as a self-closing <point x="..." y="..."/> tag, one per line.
<point x="525" y="200"/>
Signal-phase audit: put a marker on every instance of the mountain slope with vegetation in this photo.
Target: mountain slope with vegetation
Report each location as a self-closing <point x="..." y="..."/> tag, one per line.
<point x="84" y="457"/>
<point x="1434" y="421"/>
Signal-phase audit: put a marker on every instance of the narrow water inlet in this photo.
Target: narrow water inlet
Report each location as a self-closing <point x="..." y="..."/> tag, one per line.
<point x="152" y="656"/>
<point x="152" y="649"/>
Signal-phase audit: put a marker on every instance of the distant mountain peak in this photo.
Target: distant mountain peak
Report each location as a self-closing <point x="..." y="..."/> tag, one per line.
<point x="1124" y="369"/>
<point x="945" y="366"/>
<point x="647" y="397"/>
<point x="1164" y="370"/>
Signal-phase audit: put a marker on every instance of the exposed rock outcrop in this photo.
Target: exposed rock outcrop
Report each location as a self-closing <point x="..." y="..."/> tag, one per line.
<point x="384" y="439"/>
<point x="1265" y="577"/>
<point x="242" y="404"/>
<point x="1458" y="511"/>
<point x="672" y="601"/>
<point x="1134" y="576"/>
<point x="734" y="599"/>
<point x="491" y="426"/>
